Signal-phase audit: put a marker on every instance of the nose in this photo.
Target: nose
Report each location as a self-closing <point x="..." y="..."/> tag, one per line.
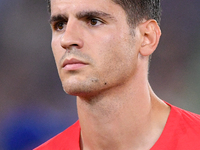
<point x="72" y="36"/>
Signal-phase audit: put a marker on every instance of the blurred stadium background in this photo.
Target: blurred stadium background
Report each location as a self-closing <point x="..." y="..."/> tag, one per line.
<point x="33" y="106"/>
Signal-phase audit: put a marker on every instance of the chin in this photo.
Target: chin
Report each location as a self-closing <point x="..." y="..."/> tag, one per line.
<point x="83" y="86"/>
<point x="75" y="89"/>
<point x="81" y="89"/>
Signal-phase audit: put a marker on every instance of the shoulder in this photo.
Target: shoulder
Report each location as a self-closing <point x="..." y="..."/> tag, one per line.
<point x="67" y="139"/>
<point x="186" y="121"/>
<point x="185" y="116"/>
<point x="189" y="123"/>
<point x="187" y="132"/>
<point x="181" y="132"/>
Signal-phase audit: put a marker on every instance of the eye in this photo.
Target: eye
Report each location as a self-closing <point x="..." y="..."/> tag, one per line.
<point x="95" y="22"/>
<point x="59" y="26"/>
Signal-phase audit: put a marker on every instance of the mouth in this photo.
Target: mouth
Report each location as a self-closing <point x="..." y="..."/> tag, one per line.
<point x="73" y="64"/>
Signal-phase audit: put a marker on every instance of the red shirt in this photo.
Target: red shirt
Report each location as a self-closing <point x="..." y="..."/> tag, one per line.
<point x="181" y="132"/>
<point x="66" y="140"/>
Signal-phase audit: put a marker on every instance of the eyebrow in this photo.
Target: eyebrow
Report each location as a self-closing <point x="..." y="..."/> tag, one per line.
<point x="87" y="14"/>
<point x="57" y="18"/>
<point x="81" y="15"/>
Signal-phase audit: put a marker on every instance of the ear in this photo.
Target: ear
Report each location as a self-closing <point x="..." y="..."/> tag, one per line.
<point x="150" y="37"/>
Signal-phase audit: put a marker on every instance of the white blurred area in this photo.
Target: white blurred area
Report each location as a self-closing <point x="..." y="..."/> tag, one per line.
<point x="33" y="106"/>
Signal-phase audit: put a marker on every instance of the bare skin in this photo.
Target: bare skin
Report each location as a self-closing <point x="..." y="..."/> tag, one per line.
<point x="105" y="65"/>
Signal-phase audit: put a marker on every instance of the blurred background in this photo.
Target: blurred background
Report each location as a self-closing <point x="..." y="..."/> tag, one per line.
<point x="33" y="106"/>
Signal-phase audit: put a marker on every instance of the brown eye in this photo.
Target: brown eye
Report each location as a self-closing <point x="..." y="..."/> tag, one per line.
<point x="94" y="22"/>
<point x="59" y="26"/>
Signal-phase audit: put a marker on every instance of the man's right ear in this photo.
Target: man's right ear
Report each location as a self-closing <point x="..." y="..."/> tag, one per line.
<point x="151" y="35"/>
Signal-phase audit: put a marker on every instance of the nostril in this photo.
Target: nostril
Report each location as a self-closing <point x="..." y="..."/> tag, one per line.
<point x="71" y="40"/>
<point x="74" y="45"/>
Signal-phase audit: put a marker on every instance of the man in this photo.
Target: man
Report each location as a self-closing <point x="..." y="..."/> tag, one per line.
<point x="102" y="50"/>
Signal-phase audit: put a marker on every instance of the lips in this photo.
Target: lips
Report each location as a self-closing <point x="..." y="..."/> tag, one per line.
<point x="73" y="64"/>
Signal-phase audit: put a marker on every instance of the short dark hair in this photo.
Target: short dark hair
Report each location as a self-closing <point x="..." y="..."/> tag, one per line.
<point x="136" y="10"/>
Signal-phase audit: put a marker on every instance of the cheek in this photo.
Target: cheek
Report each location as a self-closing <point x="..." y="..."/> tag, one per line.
<point x="57" y="53"/>
<point x="117" y="54"/>
<point x="114" y="49"/>
<point x="56" y="49"/>
<point x="109" y="54"/>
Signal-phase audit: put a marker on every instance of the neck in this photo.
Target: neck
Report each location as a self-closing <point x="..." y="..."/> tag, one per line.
<point x="126" y="117"/>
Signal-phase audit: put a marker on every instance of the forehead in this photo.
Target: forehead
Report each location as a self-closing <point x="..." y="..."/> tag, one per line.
<point x="82" y="5"/>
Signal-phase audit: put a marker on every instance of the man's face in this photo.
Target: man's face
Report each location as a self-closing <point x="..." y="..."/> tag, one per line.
<point x="93" y="46"/>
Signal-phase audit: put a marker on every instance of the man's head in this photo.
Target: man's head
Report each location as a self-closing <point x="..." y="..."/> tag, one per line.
<point x="136" y="10"/>
<point x="94" y="47"/>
